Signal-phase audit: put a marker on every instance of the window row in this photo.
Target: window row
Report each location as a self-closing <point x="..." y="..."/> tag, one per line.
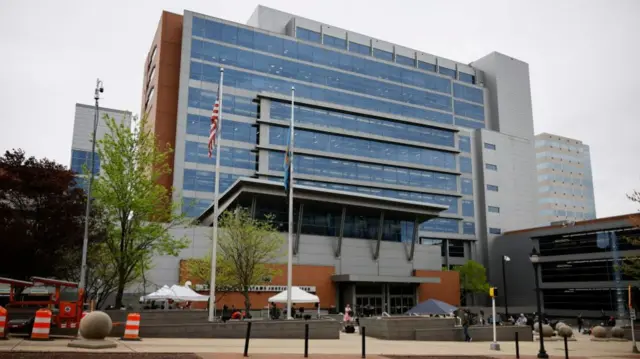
<point x="468" y="93"/>
<point x="231" y="130"/>
<point x="583" y="299"/>
<point x="577" y="159"/>
<point x="470" y="110"/>
<point x="198" y="152"/>
<point x="441" y="225"/>
<point x="319" y="54"/>
<point x="562" y="146"/>
<point x="586" y="193"/>
<point x="80" y="159"/>
<point x="572" y="180"/>
<point x="362" y="147"/>
<point x="204" y="181"/>
<point x="592" y="242"/>
<point x="464" y="143"/>
<point x="250" y="60"/>
<point x="258" y="83"/>
<point x="572" y="215"/>
<point x="327" y="167"/>
<point x="587" y="270"/>
<point x="466" y="186"/>
<point x="473" y="125"/>
<point x="456" y="247"/>
<point x="193" y="207"/>
<point x="566" y="167"/>
<point x="237" y="105"/>
<point x="361" y="123"/>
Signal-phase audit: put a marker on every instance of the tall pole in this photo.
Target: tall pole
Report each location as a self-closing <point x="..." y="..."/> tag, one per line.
<point x="504" y="284"/>
<point x="85" y="240"/>
<point x="214" y="246"/>
<point x="290" y="244"/>
<point x="541" y="353"/>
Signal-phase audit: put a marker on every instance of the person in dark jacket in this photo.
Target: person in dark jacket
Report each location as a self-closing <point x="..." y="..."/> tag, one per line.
<point x="466" y="319"/>
<point x="580" y="323"/>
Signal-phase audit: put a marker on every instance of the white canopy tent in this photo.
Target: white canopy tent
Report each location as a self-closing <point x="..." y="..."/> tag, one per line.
<point x="164" y="293"/>
<point x="298" y="296"/>
<point x="187" y="294"/>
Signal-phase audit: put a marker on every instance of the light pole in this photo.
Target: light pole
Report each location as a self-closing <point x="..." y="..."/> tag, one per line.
<point x="505" y="259"/>
<point x="535" y="260"/>
<point x="85" y="241"/>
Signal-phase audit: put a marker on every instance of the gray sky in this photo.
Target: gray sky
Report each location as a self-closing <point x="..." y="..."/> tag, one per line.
<point x="583" y="57"/>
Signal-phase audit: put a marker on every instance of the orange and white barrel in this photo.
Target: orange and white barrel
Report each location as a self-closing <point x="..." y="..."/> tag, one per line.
<point x="132" y="327"/>
<point x="3" y="323"/>
<point x="41" y="325"/>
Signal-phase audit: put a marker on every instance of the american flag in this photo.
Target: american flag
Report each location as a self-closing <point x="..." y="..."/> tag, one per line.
<point x="213" y="131"/>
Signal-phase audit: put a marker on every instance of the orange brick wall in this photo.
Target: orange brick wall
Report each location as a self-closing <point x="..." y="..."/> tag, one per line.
<point x="448" y="290"/>
<point x="303" y="275"/>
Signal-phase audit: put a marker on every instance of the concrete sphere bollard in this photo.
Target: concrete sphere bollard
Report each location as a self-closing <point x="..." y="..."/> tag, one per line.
<point x="565" y="331"/>
<point x="547" y="331"/>
<point x="599" y="332"/>
<point x="95" y="325"/>
<point x="617" y="332"/>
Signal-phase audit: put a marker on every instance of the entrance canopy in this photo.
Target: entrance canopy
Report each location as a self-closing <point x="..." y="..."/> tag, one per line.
<point x="297" y="296"/>
<point x="433" y="306"/>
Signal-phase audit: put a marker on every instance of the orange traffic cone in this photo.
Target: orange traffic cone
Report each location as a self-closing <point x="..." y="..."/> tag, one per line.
<point x="132" y="328"/>
<point x="4" y="334"/>
<point x="42" y="325"/>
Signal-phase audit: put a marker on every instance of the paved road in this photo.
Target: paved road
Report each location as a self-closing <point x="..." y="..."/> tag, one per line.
<point x="347" y="345"/>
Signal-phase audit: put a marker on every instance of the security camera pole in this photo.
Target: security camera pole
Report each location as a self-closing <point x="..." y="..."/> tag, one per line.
<point x="85" y="241"/>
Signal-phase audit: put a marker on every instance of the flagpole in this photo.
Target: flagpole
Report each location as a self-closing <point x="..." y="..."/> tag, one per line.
<point x="290" y="251"/>
<point x="214" y="247"/>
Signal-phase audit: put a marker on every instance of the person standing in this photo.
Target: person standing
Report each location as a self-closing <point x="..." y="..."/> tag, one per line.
<point x="580" y="323"/>
<point x="465" y="326"/>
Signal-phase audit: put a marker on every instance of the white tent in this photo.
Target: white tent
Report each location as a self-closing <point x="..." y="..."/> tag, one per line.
<point x="164" y="293"/>
<point x="187" y="294"/>
<point x="297" y="296"/>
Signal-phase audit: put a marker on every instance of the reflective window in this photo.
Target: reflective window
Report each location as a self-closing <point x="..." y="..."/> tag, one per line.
<point x="468" y="208"/>
<point x="335" y="42"/>
<point x="466" y="77"/>
<point x="404" y="60"/>
<point x="583" y="299"/>
<point x="80" y="159"/>
<point x="435" y="242"/>
<point x="328" y="167"/>
<point x="308" y="35"/>
<point x="308" y="73"/>
<point x="360" y="123"/>
<point x="584" y="270"/>
<point x="450" y="201"/>
<point x="494" y="230"/>
<point x="363" y="147"/>
<point x="359" y="48"/>
<point x="442" y="225"/>
<point x="464" y="143"/>
<point x="426" y="66"/>
<point x="278" y="213"/>
<point x="237" y="105"/>
<point x="493" y="209"/>
<point x="252" y="82"/>
<point x="381" y="54"/>
<point x="317" y="54"/>
<point x="360" y="225"/>
<point x="468" y="228"/>
<point x="321" y="219"/>
<point x="468" y="93"/>
<point x="492" y="188"/>
<point x="589" y="242"/>
<point x="490" y="167"/>
<point x="465" y="165"/>
<point x="466" y="185"/>
<point x="204" y="181"/>
<point x="231" y="130"/>
<point x="489" y="146"/>
<point x="395" y="230"/>
<point x="470" y="110"/>
<point x="456" y="247"/>
<point x="448" y="72"/>
<point x="198" y="152"/>
<point x="463" y="122"/>
<point x="193" y="207"/>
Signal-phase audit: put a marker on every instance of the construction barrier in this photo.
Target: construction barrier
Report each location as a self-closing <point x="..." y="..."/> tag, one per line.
<point x="132" y="328"/>
<point x="3" y="323"/>
<point x="41" y="325"/>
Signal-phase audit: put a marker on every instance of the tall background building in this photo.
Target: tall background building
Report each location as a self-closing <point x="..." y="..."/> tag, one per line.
<point x="565" y="181"/>
<point x="372" y="117"/>
<point x="83" y="132"/>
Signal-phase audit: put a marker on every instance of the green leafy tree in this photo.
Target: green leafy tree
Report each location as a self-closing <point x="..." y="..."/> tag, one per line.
<point x="138" y="209"/>
<point x="199" y="270"/>
<point x="473" y="279"/>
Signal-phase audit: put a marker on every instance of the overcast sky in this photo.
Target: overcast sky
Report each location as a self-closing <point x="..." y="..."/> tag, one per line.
<point x="584" y="60"/>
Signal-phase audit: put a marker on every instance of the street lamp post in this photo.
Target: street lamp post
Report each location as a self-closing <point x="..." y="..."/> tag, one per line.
<point x="505" y="259"/>
<point x="535" y="260"/>
<point x="85" y="241"/>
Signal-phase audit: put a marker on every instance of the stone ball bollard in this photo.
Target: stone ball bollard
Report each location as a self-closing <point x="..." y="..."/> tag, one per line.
<point x="617" y="332"/>
<point x="95" y="325"/>
<point x="547" y="331"/>
<point x="564" y="331"/>
<point x="599" y="332"/>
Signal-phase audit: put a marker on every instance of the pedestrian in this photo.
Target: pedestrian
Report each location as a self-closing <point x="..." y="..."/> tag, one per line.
<point x="580" y="323"/>
<point x="465" y="326"/>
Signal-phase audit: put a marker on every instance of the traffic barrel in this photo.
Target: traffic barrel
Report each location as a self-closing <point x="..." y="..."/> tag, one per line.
<point x="132" y="327"/>
<point x="3" y="323"/>
<point x="41" y="325"/>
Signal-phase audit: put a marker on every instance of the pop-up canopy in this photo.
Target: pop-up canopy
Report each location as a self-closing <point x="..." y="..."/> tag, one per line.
<point x="164" y="293"/>
<point x="187" y="294"/>
<point x="297" y="296"/>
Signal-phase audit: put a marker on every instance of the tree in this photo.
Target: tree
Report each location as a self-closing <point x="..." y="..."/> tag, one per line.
<point x="631" y="265"/>
<point x="473" y="279"/>
<point x="139" y="210"/>
<point x="42" y="215"/>
<point x="247" y="248"/>
<point x="199" y="269"/>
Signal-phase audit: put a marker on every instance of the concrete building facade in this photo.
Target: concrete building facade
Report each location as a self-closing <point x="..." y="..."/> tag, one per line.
<point x="565" y="180"/>
<point x="372" y="119"/>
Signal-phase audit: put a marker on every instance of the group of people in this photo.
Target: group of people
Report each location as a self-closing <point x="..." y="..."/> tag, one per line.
<point x="233" y="313"/>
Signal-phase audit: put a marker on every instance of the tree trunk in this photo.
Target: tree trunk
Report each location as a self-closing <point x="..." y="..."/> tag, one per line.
<point x="247" y="301"/>
<point x="119" y="294"/>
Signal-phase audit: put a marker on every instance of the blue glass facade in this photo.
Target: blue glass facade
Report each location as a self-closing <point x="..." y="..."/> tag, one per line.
<point x="414" y="154"/>
<point x="80" y="159"/>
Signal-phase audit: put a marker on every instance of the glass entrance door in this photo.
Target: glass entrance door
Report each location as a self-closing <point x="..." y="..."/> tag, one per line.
<point x="375" y="301"/>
